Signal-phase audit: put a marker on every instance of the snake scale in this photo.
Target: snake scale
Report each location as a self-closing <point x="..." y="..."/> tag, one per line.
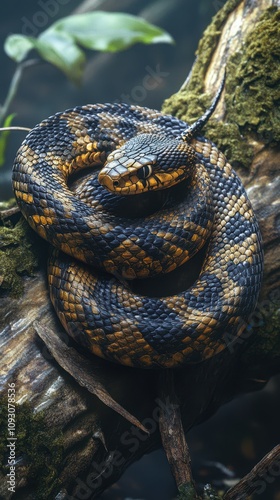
<point x="101" y="242"/>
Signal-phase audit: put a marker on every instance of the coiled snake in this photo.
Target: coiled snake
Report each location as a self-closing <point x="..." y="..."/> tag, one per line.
<point x="101" y="242"/>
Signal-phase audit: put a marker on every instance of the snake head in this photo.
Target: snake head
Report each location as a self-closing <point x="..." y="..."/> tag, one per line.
<point x="147" y="162"/>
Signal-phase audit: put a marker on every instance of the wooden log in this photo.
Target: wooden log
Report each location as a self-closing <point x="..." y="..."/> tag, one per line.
<point x="71" y="444"/>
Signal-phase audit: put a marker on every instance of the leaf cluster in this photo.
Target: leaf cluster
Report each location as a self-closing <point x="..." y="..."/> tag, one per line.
<point x="63" y="42"/>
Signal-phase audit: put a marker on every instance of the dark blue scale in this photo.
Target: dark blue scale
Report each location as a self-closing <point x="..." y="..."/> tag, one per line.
<point x="237" y="229"/>
<point x="55" y="137"/>
<point x="172" y="125"/>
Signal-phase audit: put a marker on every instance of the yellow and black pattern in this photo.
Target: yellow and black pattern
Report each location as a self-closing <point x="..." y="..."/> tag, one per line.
<point x="139" y="154"/>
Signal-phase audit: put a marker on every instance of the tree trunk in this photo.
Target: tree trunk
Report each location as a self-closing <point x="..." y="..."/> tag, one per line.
<point x="68" y="441"/>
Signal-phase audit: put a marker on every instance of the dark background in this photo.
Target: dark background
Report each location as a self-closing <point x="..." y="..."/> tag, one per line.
<point x="232" y="441"/>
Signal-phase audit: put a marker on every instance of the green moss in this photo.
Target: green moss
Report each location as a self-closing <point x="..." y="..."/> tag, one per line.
<point x="186" y="492"/>
<point x="191" y="103"/>
<point x="266" y="340"/>
<point x="252" y="92"/>
<point x="229" y="140"/>
<point x="17" y="256"/>
<point x="40" y="448"/>
<point x="6" y="204"/>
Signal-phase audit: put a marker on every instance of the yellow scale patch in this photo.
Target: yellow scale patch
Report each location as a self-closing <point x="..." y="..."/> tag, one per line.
<point x="212" y="153"/>
<point x="27" y="198"/>
<point x="126" y="299"/>
<point x="125" y="344"/>
<point x="127" y="253"/>
<point x="243" y="251"/>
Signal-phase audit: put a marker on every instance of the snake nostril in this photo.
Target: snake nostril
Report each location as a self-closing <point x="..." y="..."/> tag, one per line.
<point x="115" y="183"/>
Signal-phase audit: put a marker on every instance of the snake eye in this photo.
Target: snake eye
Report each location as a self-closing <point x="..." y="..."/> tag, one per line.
<point x="145" y="172"/>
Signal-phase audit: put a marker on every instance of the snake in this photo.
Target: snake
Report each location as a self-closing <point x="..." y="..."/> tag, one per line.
<point x="124" y="193"/>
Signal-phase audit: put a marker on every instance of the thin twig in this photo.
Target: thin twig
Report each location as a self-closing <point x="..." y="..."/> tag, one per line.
<point x="249" y="483"/>
<point x="14" y="86"/>
<point x="26" y="129"/>
<point x="82" y="370"/>
<point x="172" y="434"/>
<point x="5" y="214"/>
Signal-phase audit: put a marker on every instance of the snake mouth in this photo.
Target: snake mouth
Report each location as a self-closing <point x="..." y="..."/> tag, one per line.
<point x="131" y="183"/>
<point x="122" y="185"/>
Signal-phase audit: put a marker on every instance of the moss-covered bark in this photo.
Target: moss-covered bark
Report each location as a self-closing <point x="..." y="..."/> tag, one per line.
<point x="18" y="256"/>
<point x="41" y="448"/>
<point x="250" y="123"/>
<point x="252" y="91"/>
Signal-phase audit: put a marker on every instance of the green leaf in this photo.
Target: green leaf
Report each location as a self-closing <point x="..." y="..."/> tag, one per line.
<point x="59" y="49"/>
<point x="4" y="137"/>
<point x="103" y="31"/>
<point x="110" y="31"/>
<point x="18" y="46"/>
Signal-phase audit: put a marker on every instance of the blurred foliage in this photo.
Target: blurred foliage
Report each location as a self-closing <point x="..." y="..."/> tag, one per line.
<point x="4" y="137"/>
<point x="60" y="45"/>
